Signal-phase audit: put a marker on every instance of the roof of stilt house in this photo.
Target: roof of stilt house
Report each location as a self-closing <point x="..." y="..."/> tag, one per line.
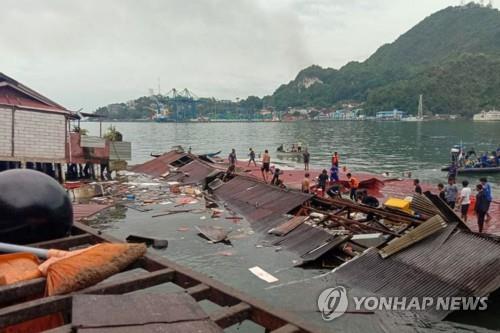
<point x="14" y="93"/>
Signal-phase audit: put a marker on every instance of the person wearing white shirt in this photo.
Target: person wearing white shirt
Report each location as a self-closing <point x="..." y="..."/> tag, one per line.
<point x="464" y="199"/>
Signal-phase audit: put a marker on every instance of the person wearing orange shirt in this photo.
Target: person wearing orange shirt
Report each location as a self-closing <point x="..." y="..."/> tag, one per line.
<point x="335" y="159"/>
<point x="353" y="185"/>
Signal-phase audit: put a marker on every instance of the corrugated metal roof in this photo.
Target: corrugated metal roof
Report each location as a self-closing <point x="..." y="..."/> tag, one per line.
<point x="257" y="201"/>
<point x="120" y="151"/>
<point x="192" y="173"/>
<point x="87" y="141"/>
<point x="81" y="211"/>
<point x="452" y="262"/>
<point x="159" y="165"/>
<point x="16" y="94"/>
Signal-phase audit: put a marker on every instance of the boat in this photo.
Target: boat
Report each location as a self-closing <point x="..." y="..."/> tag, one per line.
<point x="492" y="115"/>
<point x="291" y="151"/>
<point x="467" y="165"/>
<point x="420" y="112"/>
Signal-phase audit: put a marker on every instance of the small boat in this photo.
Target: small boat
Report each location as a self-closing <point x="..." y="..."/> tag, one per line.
<point x="293" y="151"/>
<point x="474" y="170"/>
<point x="468" y="162"/>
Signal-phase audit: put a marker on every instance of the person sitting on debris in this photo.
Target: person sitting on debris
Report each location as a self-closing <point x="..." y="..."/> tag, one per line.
<point x="276" y="176"/>
<point x="353" y="185"/>
<point x="366" y="199"/>
<point x="335" y="191"/>
<point x="322" y="179"/>
<point x="418" y="188"/>
<point x="266" y="163"/>
<point x="306" y="184"/>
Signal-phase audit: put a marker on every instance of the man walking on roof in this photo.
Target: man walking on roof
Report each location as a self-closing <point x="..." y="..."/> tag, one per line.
<point x="266" y="164"/>
<point x="251" y="154"/>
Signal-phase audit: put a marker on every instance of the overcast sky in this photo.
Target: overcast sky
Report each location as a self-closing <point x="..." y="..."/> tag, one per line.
<point x="89" y="53"/>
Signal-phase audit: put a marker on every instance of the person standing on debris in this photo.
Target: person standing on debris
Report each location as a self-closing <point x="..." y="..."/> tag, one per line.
<point x="489" y="196"/>
<point x="464" y="199"/>
<point x="335" y="159"/>
<point x="451" y="192"/>
<point x="481" y="207"/>
<point x="266" y="164"/>
<point x="232" y="157"/>
<point x="306" y="184"/>
<point x="418" y="188"/>
<point x="322" y="179"/>
<point x="251" y="154"/>
<point x="306" y="157"/>
<point x="441" y="191"/>
<point x="353" y="185"/>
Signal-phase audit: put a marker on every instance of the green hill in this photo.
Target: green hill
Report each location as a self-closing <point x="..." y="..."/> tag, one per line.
<point x="452" y="57"/>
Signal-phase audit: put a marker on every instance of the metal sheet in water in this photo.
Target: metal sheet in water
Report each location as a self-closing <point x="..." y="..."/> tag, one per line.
<point x="258" y="201"/>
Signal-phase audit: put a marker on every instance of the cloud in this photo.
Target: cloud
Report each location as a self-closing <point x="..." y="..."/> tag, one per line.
<point x="91" y="53"/>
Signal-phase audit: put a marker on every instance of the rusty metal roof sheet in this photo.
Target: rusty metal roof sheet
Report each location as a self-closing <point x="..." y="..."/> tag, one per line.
<point x="453" y="262"/>
<point x="159" y="165"/>
<point x="192" y="173"/>
<point x="123" y="311"/>
<point x="81" y="211"/>
<point x="257" y="201"/>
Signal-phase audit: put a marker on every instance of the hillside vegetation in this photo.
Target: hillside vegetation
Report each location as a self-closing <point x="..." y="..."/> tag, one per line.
<point x="452" y="57"/>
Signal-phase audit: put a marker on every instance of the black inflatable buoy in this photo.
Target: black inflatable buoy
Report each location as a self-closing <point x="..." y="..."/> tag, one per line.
<point x="33" y="207"/>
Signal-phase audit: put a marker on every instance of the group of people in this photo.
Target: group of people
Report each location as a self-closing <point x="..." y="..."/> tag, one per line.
<point x="461" y="199"/>
<point x="470" y="159"/>
<point x="265" y="169"/>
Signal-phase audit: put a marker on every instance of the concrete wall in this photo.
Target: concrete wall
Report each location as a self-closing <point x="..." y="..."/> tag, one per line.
<point x="38" y="136"/>
<point x="5" y="132"/>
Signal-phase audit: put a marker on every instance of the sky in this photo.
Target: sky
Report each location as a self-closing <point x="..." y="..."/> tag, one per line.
<point x="90" y="53"/>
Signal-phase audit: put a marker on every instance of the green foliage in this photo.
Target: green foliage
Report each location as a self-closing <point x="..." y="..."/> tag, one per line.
<point x="112" y="134"/>
<point x="452" y="57"/>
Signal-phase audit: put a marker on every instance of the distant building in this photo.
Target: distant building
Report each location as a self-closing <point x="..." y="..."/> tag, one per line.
<point x="390" y="115"/>
<point x="32" y="127"/>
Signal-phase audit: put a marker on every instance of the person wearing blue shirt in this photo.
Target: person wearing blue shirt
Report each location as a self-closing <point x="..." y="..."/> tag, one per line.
<point x="488" y="195"/>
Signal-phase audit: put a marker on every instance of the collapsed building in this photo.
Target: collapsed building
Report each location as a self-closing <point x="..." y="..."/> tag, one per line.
<point x="425" y="252"/>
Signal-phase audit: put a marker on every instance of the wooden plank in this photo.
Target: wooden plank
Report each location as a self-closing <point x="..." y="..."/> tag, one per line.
<point x="199" y="292"/>
<point x="66" y="243"/>
<point x="18" y="292"/>
<point x="220" y="293"/>
<point x="60" y="329"/>
<point x="288" y="328"/>
<point x="229" y="316"/>
<point x="132" y="283"/>
<point x="25" y="311"/>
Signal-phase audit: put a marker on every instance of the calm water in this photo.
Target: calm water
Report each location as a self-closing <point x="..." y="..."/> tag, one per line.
<point x="377" y="147"/>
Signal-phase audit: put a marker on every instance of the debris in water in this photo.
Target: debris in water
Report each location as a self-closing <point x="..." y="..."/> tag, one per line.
<point x="262" y="274"/>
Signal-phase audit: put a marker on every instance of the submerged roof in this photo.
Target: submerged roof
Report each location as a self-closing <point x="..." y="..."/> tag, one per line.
<point x="452" y="262"/>
<point x="159" y="165"/>
<point x="13" y="93"/>
<point x="258" y="201"/>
